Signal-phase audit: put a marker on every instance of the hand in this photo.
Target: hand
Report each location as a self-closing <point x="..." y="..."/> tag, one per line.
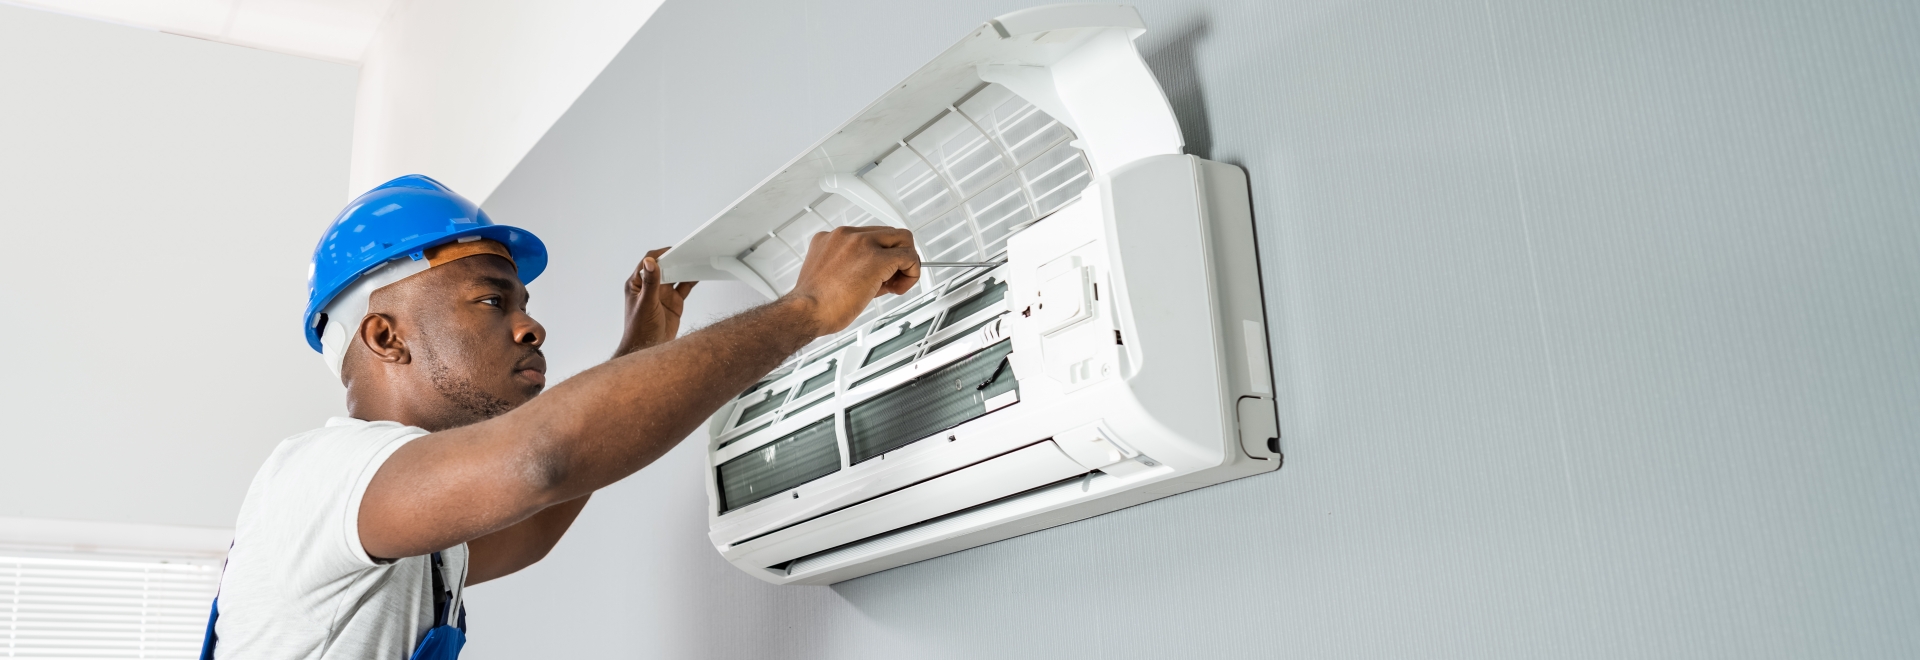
<point x="653" y="308"/>
<point x="849" y="267"/>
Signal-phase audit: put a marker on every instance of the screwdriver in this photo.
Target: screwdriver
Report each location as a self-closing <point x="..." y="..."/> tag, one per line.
<point x="960" y="264"/>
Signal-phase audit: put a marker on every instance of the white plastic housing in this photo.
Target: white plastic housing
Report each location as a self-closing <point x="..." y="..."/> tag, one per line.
<point x="1131" y="306"/>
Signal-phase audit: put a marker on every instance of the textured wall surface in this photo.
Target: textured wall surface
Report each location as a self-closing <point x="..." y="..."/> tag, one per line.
<point x="1597" y="329"/>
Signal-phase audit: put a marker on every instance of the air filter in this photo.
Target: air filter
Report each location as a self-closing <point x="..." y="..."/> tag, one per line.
<point x="930" y="404"/>
<point x="800" y="457"/>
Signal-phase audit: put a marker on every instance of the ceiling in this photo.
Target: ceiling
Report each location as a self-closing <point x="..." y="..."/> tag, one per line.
<point x="332" y="30"/>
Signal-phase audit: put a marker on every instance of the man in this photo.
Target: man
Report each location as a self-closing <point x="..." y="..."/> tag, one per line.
<point x="450" y="471"/>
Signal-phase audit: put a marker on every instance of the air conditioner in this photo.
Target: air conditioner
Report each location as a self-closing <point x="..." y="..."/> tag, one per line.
<point x="1113" y="354"/>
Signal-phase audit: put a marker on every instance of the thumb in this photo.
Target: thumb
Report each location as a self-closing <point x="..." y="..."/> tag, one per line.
<point x="645" y="278"/>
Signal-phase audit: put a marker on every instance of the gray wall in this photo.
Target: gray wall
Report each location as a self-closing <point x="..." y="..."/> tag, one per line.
<point x="159" y="200"/>
<point x="1597" y="328"/>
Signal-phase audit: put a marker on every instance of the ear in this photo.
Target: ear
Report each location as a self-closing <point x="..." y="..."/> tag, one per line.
<point x="381" y="337"/>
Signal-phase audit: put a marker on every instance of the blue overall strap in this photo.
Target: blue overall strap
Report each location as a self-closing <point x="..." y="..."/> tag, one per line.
<point x="206" y="643"/>
<point x="443" y="642"/>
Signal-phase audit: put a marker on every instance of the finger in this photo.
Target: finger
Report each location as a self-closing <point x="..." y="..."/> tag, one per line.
<point x="673" y="297"/>
<point x="886" y="237"/>
<point x="640" y="275"/>
<point x="650" y="263"/>
<point x="905" y="257"/>
<point x="870" y="229"/>
<point x="898" y="285"/>
<point x="906" y="263"/>
<point x="649" y="277"/>
<point x="901" y="282"/>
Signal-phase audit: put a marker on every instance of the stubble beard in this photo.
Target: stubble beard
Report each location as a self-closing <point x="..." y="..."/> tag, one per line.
<point x="479" y="405"/>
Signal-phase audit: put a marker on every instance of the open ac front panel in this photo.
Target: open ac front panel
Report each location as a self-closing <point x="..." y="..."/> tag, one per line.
<point x="1116" y="353"/>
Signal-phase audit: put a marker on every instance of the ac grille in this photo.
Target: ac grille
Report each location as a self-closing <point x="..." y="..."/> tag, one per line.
<point x="943" y="399"/>
<point x="763" y="406"/>
<point x="909" y="334"/>
<point x="961" y="335"/>
<point x="794" y="459"/>
<point x="991" y="296"/>
<point x="813" y="384"/>
<point x="805" y="406"/>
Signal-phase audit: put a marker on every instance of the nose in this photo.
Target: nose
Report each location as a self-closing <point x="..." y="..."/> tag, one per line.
<point x="529" y="332"/>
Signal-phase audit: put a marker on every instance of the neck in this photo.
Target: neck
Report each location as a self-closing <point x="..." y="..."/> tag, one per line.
<point x="384" y="401"/>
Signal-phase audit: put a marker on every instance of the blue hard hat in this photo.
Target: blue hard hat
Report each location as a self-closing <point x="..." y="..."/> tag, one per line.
<point x="399" y="219"/>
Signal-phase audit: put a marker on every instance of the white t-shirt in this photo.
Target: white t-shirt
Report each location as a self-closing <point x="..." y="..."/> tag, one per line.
<point x="297" y="583"/>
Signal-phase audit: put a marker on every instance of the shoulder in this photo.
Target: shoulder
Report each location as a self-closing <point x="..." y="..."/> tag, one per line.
<point x="306" y="498"/>
<point x="331" y="454"/>
<point x="344" y="436"/>
<point x="356" y="430"/>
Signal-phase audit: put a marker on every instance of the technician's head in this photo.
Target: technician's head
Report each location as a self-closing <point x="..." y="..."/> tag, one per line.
<point x="417" y="301"/>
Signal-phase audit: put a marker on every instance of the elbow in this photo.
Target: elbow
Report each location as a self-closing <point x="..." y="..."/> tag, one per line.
<point x="534" y="554"/>
<point x="545" y="471"/>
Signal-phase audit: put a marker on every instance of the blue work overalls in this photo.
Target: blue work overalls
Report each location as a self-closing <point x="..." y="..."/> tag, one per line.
<point x="443" y="640"/>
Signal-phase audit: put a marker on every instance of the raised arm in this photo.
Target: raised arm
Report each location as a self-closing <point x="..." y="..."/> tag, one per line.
<point x="653" y="317"/>
<point x="609" y="421"/>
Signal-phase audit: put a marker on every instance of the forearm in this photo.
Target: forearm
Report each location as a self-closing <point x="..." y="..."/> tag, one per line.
<point x="611" y="420"/>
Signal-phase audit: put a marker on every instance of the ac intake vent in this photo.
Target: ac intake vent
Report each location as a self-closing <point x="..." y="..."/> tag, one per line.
<point x="948" y="397"/>
<point x="799" y="457"/>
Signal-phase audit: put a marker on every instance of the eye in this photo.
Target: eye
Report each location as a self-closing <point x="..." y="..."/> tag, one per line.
<point x="491" y="300"/>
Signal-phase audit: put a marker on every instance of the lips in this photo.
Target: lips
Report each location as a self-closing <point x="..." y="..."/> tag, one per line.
<point x="533" y="368"/>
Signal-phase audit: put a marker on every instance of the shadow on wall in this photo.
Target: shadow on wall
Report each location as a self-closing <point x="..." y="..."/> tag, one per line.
<point x="1172" y="61"/>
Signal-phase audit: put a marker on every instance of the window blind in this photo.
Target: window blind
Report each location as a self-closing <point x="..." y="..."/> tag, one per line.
<point x="68" y="608"/>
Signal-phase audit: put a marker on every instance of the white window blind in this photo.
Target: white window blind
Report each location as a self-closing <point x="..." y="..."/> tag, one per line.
<point x="67" y="608"/>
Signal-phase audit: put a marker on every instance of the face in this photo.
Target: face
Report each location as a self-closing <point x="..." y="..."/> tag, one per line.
<point x="468" y="332"/>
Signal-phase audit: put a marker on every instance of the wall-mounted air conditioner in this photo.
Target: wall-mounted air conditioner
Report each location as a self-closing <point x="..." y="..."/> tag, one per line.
<point x="1115" y="355"/>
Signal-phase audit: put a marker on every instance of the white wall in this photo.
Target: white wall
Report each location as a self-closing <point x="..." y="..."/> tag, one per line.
<point x="457" y="89"/>
<point x="160" y="197"/>
<point x="460" y="89"/>
<point x="331" y="30"/>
